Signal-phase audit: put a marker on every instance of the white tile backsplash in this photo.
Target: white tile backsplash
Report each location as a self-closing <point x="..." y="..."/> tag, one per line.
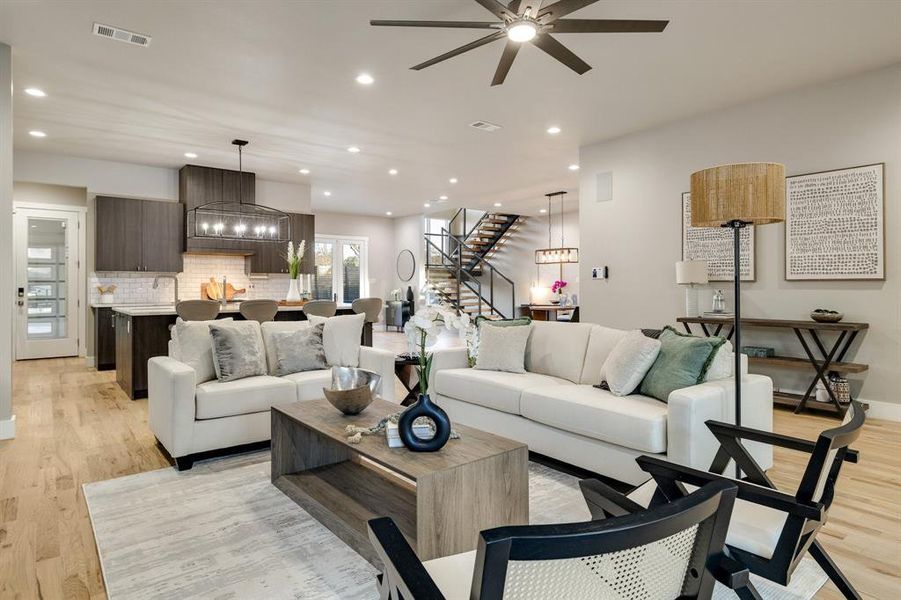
<point x="137" y="288"/>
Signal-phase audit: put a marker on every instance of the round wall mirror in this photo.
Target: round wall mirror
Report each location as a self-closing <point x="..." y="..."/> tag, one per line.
<point x="406" y="265"/>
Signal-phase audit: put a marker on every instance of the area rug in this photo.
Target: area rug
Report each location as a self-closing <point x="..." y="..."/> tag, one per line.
<point x="222" y="531"/>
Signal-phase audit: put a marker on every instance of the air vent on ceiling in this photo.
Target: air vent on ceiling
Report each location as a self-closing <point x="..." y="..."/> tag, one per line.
<point x="485" y="126"/>
<point x="121" y="35"/>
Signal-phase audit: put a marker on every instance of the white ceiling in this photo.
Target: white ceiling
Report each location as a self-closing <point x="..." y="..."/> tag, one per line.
<point x="281" y="74"/>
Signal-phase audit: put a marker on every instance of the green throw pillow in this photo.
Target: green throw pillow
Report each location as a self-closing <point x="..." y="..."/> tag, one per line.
<point x="683" y="361"/>
<point x="474" y="347"/>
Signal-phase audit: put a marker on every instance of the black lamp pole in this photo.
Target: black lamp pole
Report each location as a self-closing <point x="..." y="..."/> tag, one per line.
<point x="736" y="226"/>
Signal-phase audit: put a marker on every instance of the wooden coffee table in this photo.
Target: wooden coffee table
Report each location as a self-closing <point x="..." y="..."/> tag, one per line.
<point x="439" y="500"/>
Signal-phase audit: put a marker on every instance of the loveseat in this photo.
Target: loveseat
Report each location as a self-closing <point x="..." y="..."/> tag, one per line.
<point x="555" y="409"/>
<point x="189" y="417"/>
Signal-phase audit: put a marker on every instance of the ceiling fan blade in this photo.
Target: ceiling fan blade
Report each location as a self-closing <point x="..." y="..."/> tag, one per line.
<point x="503" y="67"/>
<point x="607" y="26"/>
<point x="457" y="51"/>
<point x="455" y="24"/>
<point x="562" y="8"/>
<point x="515" y="5"/>
<point x="561" y="53"/>
<point x="499" y="10"/>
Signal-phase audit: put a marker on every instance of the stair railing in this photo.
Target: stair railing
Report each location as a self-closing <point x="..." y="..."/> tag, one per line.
<point x="453" y="265"/>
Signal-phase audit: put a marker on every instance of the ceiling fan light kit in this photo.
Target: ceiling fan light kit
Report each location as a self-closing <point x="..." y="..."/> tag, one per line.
<point x="526" y="21"/>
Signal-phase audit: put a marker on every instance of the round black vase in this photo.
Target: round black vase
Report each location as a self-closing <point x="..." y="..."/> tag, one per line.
<point x="424" y="407"/>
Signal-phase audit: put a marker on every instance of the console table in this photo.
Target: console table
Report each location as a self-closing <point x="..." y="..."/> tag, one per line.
<point x="830" y="360"/>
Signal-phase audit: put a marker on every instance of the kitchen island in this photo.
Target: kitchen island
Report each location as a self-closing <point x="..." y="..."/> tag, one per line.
<point x="126" y="336"/>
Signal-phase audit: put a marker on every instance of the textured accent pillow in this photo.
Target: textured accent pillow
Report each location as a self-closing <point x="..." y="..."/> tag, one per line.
<point x="191" y="345"/>
<point x="300" y="350"/>
<point x="341" y="338"/>
<point x="480" y="320"/>
<point x="503" y="348"/>
<point x="721" y="365"/>
<point x="683" y="361"/>
<point x="269" y="329"/>
<point x="629" y="361"/>
<point x="238" y="350"/>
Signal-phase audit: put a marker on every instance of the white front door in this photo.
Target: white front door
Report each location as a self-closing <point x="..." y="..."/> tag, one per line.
<point x="46" y="254"/>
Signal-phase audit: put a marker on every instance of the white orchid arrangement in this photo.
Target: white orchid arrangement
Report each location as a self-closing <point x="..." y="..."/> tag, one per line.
<point x="294" y="257"/>
<point x="422" y="332"/>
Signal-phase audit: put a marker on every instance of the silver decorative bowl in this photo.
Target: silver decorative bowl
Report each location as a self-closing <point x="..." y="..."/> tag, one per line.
<point x="352" y="389"/>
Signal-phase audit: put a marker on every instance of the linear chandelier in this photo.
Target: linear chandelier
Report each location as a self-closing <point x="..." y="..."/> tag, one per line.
<point x="239" y="220"/>
<point x="552" y="255"/>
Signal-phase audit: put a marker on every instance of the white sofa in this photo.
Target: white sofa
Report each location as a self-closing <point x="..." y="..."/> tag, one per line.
<point x="555" y="409"/>
<point x="188" y="418"/>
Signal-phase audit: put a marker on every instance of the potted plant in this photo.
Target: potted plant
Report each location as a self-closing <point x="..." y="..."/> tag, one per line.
<point x="294" y="258"/>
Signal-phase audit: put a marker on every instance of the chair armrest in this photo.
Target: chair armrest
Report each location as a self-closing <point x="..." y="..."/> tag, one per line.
<point x="662" y="471"/>
<point x="605" y="502"/>
<point x="767" y="437"/>
<point x="403" y="569"/>
<point x="449" y="358"/>
<point x="170" y="404"/>
<point x="382" y="362"/>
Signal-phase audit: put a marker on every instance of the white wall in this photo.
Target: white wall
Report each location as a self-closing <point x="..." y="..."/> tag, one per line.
<point x="7" y="280"/>
<point x="409" y="234"/>
<point x="839" y="124"/>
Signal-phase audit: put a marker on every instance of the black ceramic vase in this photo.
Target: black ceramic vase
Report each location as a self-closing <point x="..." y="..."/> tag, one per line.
<point x="424" y="407"/>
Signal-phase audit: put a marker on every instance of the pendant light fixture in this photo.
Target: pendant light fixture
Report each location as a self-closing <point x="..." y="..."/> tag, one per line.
<point x="230" y="220"/>
<point x="552" y="255"/>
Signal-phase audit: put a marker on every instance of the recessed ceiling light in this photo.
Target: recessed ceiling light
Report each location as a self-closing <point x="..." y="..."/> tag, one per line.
<point x="35" y="92"/>
<point x="353" y="149"/>
<point x="442" y="197"/>
<point x="190" y="155"/>
<point x="304" y="171"/>
<point x="573" y="167"/>
<point x="543" y="210"/>
<point x="392" y="171"/>
<point x="553" y="130"/>
<point x="498" y="204"/>
<point x="388" y="213"/>
<point x="326" y="193"/>
<point x="36" y="133"/>
<point x="427" y="205"/>
<point x="453" y="180"/>
<point x="365" y="79"/>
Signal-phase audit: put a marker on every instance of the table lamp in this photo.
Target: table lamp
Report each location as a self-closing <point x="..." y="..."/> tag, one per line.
<point x="691" y="273"/>
<point x="736" y="196"/>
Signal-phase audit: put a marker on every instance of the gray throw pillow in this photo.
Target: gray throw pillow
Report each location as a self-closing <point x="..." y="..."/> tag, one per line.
<point x="503" y="348"/>
<point x="238" y="350"/>
<point x="297" y="351"/>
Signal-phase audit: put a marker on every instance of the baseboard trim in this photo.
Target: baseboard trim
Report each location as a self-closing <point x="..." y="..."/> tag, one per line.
<point x="8" y="428"/>
<point x="879" y="409"/>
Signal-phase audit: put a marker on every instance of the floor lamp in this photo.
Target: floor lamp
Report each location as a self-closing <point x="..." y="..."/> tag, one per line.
<point x="736" y="196"/>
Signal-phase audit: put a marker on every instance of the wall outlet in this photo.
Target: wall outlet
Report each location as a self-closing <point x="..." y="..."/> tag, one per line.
<point x="599" y="273"/>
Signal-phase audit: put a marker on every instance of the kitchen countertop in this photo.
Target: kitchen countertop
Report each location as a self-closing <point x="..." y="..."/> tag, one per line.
<point x="145" y="310"/>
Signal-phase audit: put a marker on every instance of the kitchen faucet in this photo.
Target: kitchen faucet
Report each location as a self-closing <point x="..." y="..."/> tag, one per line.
<point x="156" y="283"/>
<point x="223" y="300"/>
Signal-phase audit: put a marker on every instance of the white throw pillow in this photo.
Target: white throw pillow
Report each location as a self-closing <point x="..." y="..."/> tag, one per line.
<point x="194" y="346"/>
<point x="629" y="362"/>
<point x="503" y="348"/>
<point x="270" y="329"/>
<point x="721" y="365"/>
<point x="341" y="338"/>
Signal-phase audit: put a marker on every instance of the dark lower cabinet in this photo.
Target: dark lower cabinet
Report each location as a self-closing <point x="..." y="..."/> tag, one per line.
<point x="104" y="339"/>
<point x="138" y="339"/>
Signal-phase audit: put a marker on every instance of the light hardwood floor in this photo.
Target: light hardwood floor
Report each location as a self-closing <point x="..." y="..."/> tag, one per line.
<point x="76" y="426"/>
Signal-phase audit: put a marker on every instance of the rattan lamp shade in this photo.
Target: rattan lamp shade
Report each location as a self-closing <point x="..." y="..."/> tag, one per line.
<point x="750" y="192"/>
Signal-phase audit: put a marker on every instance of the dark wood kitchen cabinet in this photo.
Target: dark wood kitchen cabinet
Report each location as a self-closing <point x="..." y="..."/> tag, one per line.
<point x="138" y="339"/>
<point x="138" y="235"/>
<point x="104" y="338"/>
<point x="269" y="257"/>
<point x="201" y="185"/>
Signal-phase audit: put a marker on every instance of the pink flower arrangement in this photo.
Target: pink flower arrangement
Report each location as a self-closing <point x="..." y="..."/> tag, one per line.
<point x="558" y="286"/>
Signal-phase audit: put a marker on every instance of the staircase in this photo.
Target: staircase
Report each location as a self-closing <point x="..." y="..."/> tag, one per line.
<point x="459" y="269"/>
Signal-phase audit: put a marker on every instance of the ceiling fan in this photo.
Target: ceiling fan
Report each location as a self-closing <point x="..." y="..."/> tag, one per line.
<point x="527" y="21"/>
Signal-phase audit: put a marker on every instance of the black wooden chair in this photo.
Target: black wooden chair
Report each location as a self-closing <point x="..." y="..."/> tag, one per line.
<point x="673" y="551"/>
<point x="771" y="531"/>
